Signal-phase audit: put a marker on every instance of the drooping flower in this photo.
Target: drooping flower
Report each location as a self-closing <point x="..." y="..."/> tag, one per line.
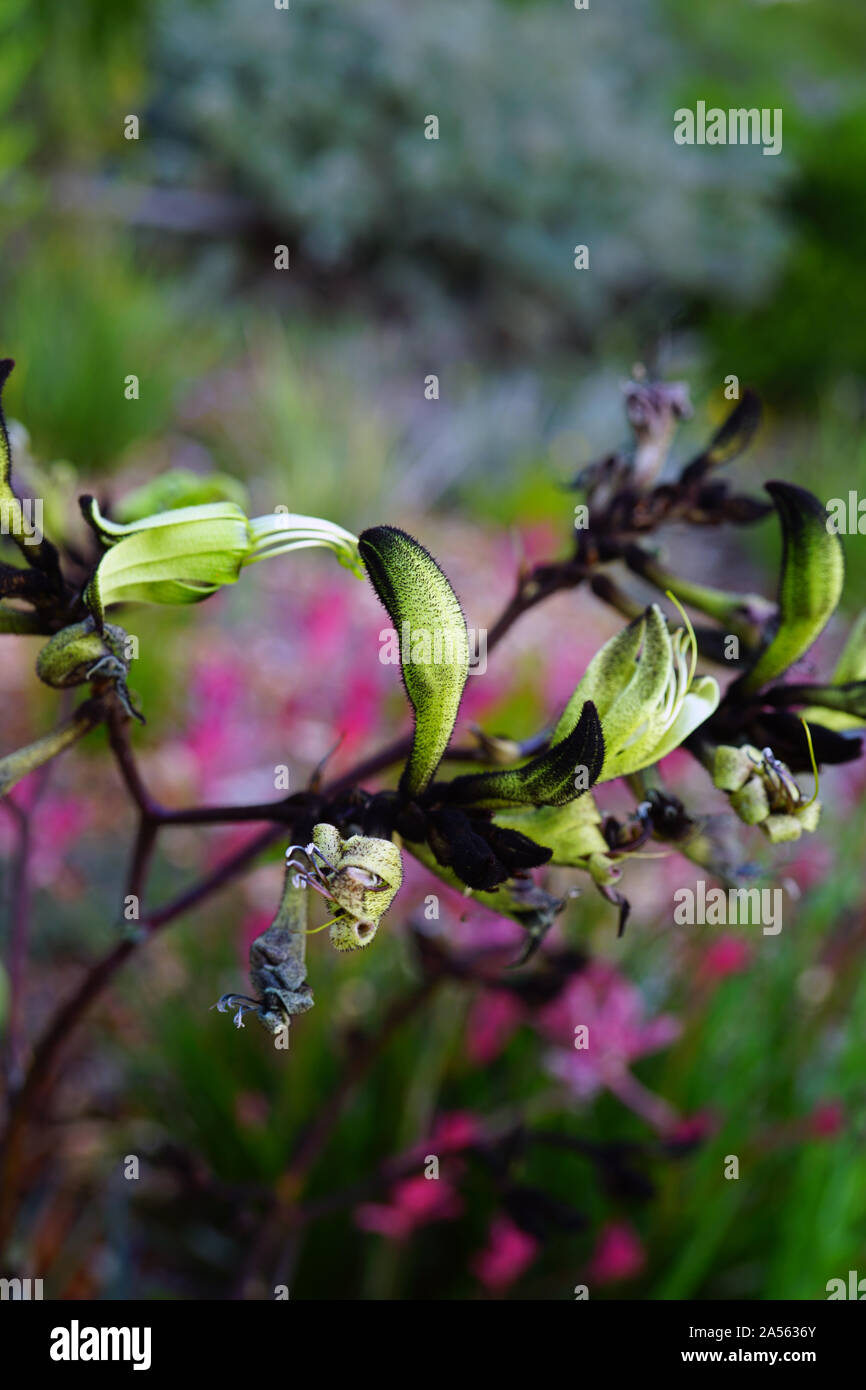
<point x="185" y="555"/>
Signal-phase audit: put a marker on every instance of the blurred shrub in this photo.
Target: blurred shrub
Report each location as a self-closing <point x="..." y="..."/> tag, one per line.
<point x="553" y="132"/>
<point x="79" y="318"/>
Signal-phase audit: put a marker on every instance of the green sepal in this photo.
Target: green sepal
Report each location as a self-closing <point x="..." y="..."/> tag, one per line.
<point x="810" y="583"/>
<point x="547" y="780"/>
<point x="419" y="598"/>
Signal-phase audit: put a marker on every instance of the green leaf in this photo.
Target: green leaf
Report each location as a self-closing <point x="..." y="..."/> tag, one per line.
<point x="810" y="583"/>
<point x="548" y="780"/>
<point x="428" y="621"/>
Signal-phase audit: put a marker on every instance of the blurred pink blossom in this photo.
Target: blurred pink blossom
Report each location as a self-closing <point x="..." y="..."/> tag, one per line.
<point x="691" y="1129"/>
<point x="455" y="1130"/>
<point x="495" y="1016"/>
<point x="827" y="1119"/>
<point x="414" y="1202"/>
<point x="58" y="823"/>
<point x="613" y="1011"/>
<point x="727" y="955"/>
<point x="508" y="1254"/>
<point x="618" y="1254"/>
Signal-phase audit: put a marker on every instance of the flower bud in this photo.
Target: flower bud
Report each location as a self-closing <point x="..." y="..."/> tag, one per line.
<point x="732" y="767"/>
<point x="751" y="802"/>
<point x="781" y="829"/>
<point x="77" y="653"/>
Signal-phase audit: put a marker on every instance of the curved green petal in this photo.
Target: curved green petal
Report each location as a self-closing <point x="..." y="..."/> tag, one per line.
<point x="179" y="563"/>
<point x="810" y="585"/>
<point x="701" y="701"/>
<point x="421" y="604"/>
<point x="548" y="780"/>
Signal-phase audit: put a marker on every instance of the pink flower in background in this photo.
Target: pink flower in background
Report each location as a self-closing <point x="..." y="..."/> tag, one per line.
<point x="508" y="1254"/>
<point x="219" y="733"/>
<point x="414" y="1202"/>
<point x="812" y="863"/>
<point x="727" y="955"/>
<point x="360" y="711"/>
<point x="827" y="1119"/>
<point x="618" y="1254"/>
<point x="455" y="1130"/>
<point x="495" y="1016"/>
<point x="323" y="622"/>
<point x="253" y="925"/>
<point x="691" y="1129"/>
<point x="613" y="1011"/>
<point x="58" y="822"/>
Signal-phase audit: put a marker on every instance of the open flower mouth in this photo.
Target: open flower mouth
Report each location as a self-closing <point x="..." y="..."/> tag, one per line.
<point x="644" y="686"/>
<point x="677" y="685"/>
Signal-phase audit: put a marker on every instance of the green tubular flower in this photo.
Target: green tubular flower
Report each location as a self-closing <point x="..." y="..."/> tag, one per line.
<point x="360" y="876"/>
<point x="185" y="555"/>
<point x="643" y="685"/>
